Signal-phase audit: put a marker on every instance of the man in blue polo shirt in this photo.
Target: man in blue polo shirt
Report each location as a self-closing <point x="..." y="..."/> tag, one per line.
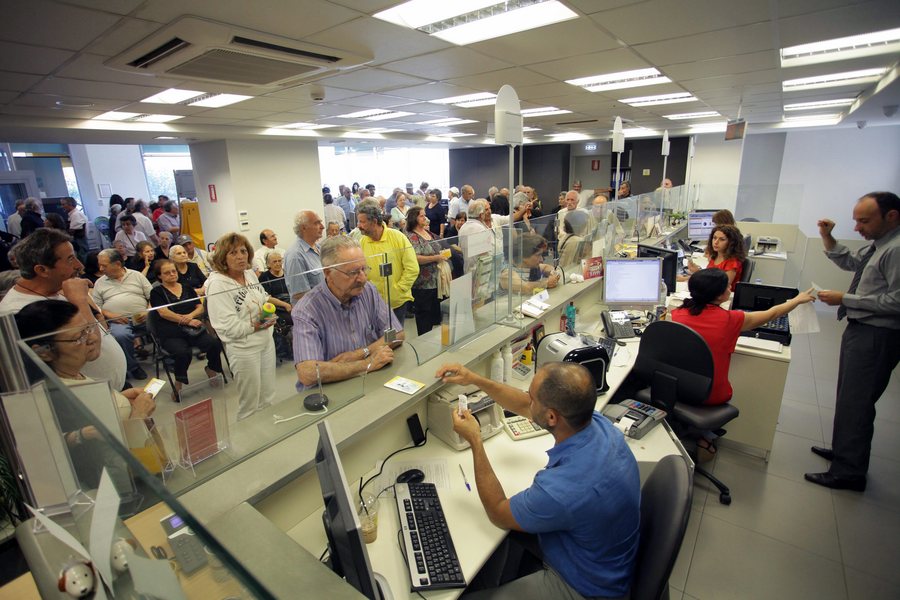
<point x="584" y="506"/>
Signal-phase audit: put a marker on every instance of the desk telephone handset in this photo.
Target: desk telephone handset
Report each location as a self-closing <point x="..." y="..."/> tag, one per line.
<point x="615" y="329"/>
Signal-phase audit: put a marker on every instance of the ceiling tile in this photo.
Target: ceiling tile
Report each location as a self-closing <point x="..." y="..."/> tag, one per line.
<point x="17" y="82"/>
<point x="447" y="64"/>
<point x="432" y="91"/>
<point x="745" y="63"/>
<point x="561" y="40"/>
<point x="119" y="7"/>
<point x="594" y="6"/>
<point x="378" y="101"/>
<point x="126" y="33"/>
<point x="546" y="90"/>
<point x="301" y="94"/>
<point x="6" y="97"/>
<point x="492" y="81"/>
<point x="48" y="101"/>
<point x="22" y="58"/>
<point x="595" y="63"/>
<point x="87" y="89"/>
<point x="372" y="80"/>
<point x="714" y="44"/>
<point x="839" y="22"/>
<point x="90" y="67"/>
<point x="54" y="25"/>
<point x="737" y="81"/>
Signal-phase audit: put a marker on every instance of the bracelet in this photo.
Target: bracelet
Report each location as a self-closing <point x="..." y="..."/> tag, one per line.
<point x="366" y="352"/>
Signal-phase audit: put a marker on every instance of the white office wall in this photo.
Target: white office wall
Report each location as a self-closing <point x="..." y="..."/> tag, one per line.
<point x="120" y="166"/>
<point x="760" y="172"/>
<point x="835" y="167"/>
<point x="272" y="180"/>
<point x="716" y="167"/>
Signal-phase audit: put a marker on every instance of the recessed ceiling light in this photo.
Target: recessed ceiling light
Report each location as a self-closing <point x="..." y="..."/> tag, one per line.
<point x="309" y="126"/>
<point x="819" y="104"/>
<point x="694" y="115"/>
<point x="463" y="22"/>
<point x="65" y="104"/>
<point x="544" y="111"/>
<point x="854" y="46"/>
<point x="446" y="122"/>
<point x="157" y="118"/>
<point x="468" y="100"/>
<point x="375" y="114"/>
<point x="219" y="100"/>
<point x="455" y="134"/>
<point x="115" y="115"/>
<point x="377" y="130"/>
<point x="363" y="136"/>
<point x="172" y="96"/>
<point x="811" y="120"/>
<point x="709" y="127"/>
<point x="638" y="132"/>
<point x="660" y="99"/>
<point x="531" y="129"/>
<point x="833" y="80"/>
<point x="618" y="81"/>
<point x="568" y="137"/>
<point x="166" y="137"/>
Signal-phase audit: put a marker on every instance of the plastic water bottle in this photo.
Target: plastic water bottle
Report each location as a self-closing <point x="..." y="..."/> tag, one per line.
<point x="507" y="363"/>
<point x="663" y="292"/>
<point x="570" y="319"/>
<point x="758" y="281"/>
<point x="497" y="367"/>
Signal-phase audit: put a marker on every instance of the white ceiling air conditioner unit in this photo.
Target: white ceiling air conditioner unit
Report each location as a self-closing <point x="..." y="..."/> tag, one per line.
<point x="192" y="48"/>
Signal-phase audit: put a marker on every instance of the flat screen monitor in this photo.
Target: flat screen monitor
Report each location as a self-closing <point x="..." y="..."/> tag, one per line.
<point x="700" y="224"/>
<point x="631" y="282"/>
<point x="348" y="555"/>
<point x="669" y="259"/>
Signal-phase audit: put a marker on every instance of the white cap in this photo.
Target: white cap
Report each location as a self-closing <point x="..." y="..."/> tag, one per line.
<point x="455" y="190"/>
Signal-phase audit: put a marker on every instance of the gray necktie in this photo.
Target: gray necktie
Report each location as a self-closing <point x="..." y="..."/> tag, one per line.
<point x="863" y="260"/>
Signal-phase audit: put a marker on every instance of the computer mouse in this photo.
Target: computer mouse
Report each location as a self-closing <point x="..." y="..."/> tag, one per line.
<point x="411" y="476"/>
<point x="315" y="402"/>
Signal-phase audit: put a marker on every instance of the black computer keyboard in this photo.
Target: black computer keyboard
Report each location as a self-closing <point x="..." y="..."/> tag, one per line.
<point x="428" y="547"/>
<point x="778" y="324"/>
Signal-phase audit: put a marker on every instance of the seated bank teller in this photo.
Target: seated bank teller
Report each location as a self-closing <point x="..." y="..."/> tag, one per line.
<point x="725" y="252"/>
<point x="529" y="273"/>
<point x="584" y="507"/>
<point x="339" y="325"/>
<point x="720" y="328"/>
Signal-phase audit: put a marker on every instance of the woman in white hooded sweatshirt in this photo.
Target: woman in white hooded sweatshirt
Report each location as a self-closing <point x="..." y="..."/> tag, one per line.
<point x="234" y="303"/>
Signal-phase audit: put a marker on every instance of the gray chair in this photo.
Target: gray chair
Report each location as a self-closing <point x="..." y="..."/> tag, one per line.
<point x="665" y="508"/>
<point x="747" y="270"/>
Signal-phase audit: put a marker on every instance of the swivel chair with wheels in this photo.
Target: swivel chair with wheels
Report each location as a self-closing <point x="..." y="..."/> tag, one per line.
<point x="747" y="269"/>
<point x="665" y="508"/>
<point x="674" y="371"/>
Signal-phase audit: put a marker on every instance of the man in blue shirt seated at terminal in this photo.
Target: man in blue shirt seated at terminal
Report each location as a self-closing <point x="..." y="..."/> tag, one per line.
<point x="584" y="506"/>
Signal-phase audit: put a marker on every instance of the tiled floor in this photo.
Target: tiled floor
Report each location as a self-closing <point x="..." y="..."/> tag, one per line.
<point x="783" y="537"/>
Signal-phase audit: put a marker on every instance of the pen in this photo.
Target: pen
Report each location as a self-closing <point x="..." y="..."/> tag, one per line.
<point x="466" y="481"/>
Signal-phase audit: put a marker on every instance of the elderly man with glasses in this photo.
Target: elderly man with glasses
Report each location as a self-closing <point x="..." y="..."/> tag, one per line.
<point x="339" y="325"/>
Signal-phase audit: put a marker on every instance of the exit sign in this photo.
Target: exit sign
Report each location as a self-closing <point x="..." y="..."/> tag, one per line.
<point x="590" y="147"/>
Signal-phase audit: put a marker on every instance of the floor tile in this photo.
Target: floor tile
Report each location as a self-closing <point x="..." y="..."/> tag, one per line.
<point x="683" y="563"/>
<point x="826" y="395"/>
<point x="800" y="419"/>
<point x="883" y="483"/>
<point x="886" y="442"/>
<point x="675" y="594"/>
<point x="826" y="417"/>
<point x="733" y="562"/>
<point x="862" y="586"/>
<point x="800" y="385"/>
<point x="790" y="457"/>
<point x="869" y="536"/>
<point x="799" y="514"/>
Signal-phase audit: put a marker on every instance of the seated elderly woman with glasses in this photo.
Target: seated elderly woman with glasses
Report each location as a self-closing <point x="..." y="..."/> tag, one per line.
<point x="339" y="325"/>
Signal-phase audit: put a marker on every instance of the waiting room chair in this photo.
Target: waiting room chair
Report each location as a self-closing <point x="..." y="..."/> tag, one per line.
<point x="747" y="270"/>
<point x="674" y="368"/>
<point x="160" y="355"/>
<point x="665" y="508"/>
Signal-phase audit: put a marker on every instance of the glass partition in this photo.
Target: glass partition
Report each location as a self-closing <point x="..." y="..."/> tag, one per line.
<point x="89" y="453"/>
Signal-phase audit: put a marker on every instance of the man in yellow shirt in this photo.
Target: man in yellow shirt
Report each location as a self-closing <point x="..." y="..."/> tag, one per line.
<point x="382" y="244"/>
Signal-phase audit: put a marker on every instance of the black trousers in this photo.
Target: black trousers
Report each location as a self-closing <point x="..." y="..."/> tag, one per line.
<point x="180" y="349"/>
<point x="868" y="357"/>
<point x="428" y="309"/>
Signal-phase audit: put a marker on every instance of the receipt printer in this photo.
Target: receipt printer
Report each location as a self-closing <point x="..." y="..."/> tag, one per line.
<point x="443" y="402"/>
<point x="633" y="418"/>
<point x="562" y="347"/>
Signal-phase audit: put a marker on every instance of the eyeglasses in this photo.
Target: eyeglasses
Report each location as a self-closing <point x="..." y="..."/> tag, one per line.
<point x="355" y="272"/>
<point x="82" y="337"/>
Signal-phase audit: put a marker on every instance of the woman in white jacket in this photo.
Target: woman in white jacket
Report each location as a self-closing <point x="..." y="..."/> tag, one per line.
<point x="234" y="303"/>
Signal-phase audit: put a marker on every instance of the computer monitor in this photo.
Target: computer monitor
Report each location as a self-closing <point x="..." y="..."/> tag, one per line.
<point x="348" y="555"/>
<point x="669" y="259"/>
<point x="631" y="282"/>
<point x="700" y="224"/>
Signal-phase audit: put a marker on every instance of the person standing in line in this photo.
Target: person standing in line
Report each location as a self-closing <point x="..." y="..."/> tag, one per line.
<point x="870" y="345"/>
<point x="77" y="226"/>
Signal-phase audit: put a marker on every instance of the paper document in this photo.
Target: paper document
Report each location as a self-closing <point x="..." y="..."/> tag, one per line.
<point x="749" y="342"/>
<point x="804" y="319"/>
<point x="435" y="472"/>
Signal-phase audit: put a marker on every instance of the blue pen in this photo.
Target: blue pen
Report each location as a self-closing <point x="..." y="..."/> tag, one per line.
<point x="466" y="481"/>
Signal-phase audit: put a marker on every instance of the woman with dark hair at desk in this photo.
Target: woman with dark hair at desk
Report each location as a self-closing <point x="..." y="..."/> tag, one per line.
<point x="720" y="328"/>
<point x="726" y="253"/>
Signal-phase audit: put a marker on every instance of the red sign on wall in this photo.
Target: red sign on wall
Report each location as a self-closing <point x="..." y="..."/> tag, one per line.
<point x="212" y="193"/>
<point x="595" y="165"/>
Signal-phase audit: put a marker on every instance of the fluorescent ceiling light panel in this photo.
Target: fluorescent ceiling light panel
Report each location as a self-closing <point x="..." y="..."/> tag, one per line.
<point x="819" y="104"/>
<point x="811" y="121"/>
<point x="543" y="111"/>
<point x="306" y="126"/>
<point x="638" y="132"/>
<point x="660" y="99"/>
<point x="447" y="122"/>
<point x="377" y="130"/>
<point x="418" y="13"/>
<point x="694" y="115"/>
<point x="531" y="129"/>
<point x="709" y="127"/>
<point x="454" y="134"/>
<point x="467" y="98"/>
<point x="833" y="80"/>
<point x="157" y="118"/>
<point x="568" y="137"/>
<point x="375" y="114"/>
<point x="220" y="100"/>
<point x="363" y="136"/>
<point x="166" y="137"/>
<point x="618" y="81"/>
<point x="115" y="115"/>
<point x="845" y="48"/>
<point x="172" y="96"/>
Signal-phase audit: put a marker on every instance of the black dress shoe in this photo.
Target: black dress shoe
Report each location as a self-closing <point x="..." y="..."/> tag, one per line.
<point x="826" y="453"/>
<point x="826" y="479"/>
<point x="139" y="373"/>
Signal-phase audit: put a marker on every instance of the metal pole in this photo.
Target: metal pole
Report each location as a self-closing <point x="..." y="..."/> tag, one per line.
<point x="509" y="318"/>
<point x="618" y="168"/>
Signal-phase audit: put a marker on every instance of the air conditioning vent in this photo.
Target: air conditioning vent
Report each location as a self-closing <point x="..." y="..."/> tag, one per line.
<point x="157" y="54"/>
<point x="192" y="48"/>
<point x="258" y="44"/>
<point x="227" y="65"/>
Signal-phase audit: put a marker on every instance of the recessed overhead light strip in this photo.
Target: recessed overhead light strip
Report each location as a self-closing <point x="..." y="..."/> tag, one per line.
<point x="819" y="104"/>
<point x="833" y="80"/>
<point x="618" y="81"/>
<point x="660" y="99"/>
<point x="375" y="114"/>
<point x="694" y="115"/>
<point x="845" y="48"/>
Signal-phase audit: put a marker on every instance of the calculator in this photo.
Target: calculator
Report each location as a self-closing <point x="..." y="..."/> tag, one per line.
<point x="522" y="428"/>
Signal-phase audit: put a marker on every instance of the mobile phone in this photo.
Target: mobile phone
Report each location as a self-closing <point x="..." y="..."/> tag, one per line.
<point x="154" y="386"/>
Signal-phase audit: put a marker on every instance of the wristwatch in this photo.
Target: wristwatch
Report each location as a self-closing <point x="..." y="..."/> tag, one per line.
<point x="366" y="352"/>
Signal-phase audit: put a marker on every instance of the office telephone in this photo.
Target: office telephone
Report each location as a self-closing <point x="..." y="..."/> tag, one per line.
<point x="616" y="329"/>
<point x="188" y="549"/>
<point x="633" y="418"/>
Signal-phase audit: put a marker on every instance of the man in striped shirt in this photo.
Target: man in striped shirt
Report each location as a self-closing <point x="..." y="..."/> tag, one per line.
<point x="339" y="325"/>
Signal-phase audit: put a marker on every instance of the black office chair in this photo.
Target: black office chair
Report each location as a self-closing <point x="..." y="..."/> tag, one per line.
<point x="674" y="366"/>
<point x="665" y="508"/>
<point x="160" y="355"/>
<point x="748" y="243"/>
<point x="747" y="270"/>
